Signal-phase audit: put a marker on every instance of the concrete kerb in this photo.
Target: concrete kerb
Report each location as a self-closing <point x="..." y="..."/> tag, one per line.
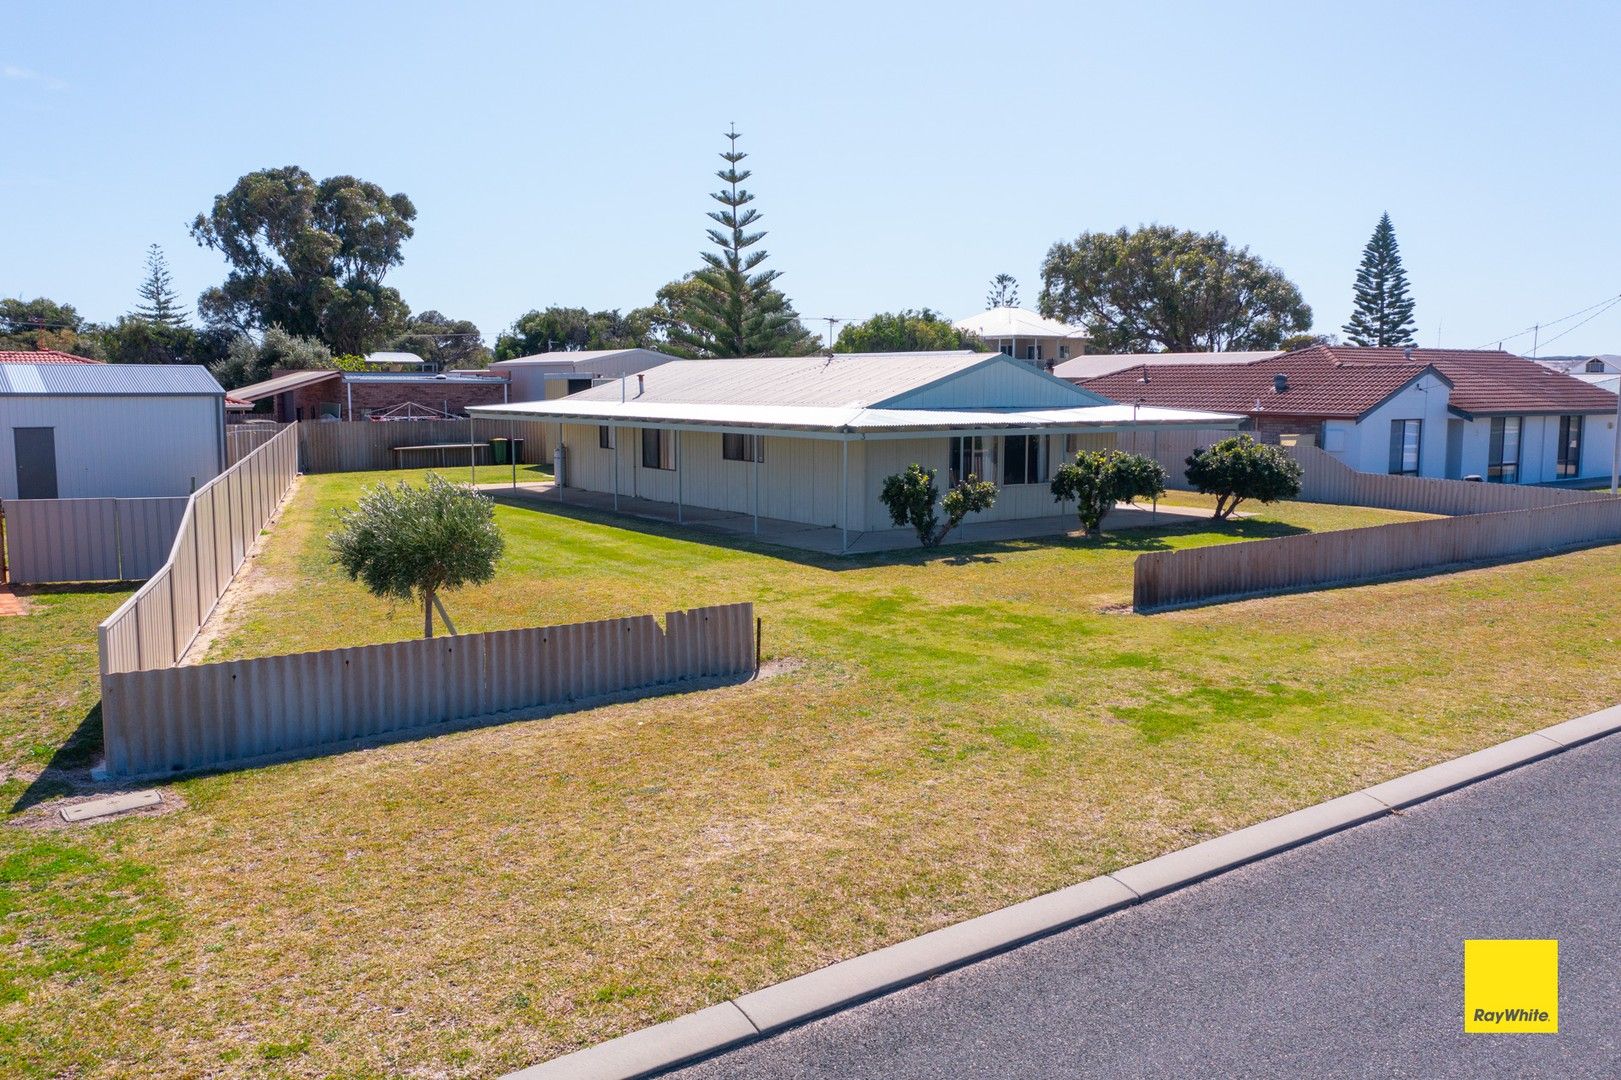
<point x="787" y="1004"/>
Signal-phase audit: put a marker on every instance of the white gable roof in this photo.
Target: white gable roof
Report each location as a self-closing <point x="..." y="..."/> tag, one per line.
<point x="1008" y="322"/>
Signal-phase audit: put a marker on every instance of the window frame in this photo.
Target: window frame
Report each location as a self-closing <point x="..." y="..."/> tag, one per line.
<point x="1398" y="446"/>
<point x="1032" y="457"/>
<point x="961" y="454"/>
<point x="1498" y="469"/>
<point x="663" y="449"/>
<point x="736" y="446"/>
<point x="607" y="438"/>
<point x="1567" y="464"/>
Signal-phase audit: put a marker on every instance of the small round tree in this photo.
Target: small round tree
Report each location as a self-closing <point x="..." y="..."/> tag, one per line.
<point x="1098" y="479"/>
<point x="1240" y="468"/>
<point x="402" y="541"/>
<point x="910" y="497"/>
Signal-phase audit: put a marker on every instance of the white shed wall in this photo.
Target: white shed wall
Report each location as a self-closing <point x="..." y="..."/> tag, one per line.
<point x="119" y="447"/>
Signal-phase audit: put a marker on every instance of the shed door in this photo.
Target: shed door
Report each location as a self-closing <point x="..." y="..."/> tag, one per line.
<point x="36" y="462"/>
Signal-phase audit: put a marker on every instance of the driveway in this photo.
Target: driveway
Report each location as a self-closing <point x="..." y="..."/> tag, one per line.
<point x="1343" y="958"/>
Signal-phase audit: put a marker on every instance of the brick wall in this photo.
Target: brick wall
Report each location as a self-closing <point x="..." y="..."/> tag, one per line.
<point x="306" y="403"/>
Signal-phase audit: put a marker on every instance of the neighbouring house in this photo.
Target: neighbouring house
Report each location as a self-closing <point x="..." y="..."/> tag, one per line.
<point x="44" y="356"/>
<point x="546" y="376"/>
<point x="1082" y="368"/>
<point x="1023" y="334"/>
<point x="74" y="430"/>
<point x="811" y="439"/>
<point x="1451" y="413"/>
<point x="1602" y="364"/>
<point x="328" y="394"/>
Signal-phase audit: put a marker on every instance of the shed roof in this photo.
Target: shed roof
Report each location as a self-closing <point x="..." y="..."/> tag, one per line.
<point x="588" y="361"/>
<point x="1007" y="322"/>
<point x="97" y="380"/>
<point x="44" y="356"/>
<point x="292" y="380"/>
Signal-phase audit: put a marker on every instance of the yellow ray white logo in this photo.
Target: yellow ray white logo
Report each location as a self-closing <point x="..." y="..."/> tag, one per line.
<point x="1510" y="986"/>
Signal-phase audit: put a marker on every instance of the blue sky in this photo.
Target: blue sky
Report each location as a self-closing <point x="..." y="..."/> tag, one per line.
<point x="903" y="153"/>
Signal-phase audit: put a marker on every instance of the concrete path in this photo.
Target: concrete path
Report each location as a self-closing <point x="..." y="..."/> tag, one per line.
<point x="1342" y="958"/>
<point x="827" y="540"/>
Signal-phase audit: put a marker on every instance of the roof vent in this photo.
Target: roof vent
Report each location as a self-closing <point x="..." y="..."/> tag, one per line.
<point x="641" y="384"/>
<point x="1280" y="383"/>
<point x="1407" y="354"/>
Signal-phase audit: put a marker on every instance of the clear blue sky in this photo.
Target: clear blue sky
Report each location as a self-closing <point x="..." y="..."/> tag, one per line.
<point x="903" y="153"/>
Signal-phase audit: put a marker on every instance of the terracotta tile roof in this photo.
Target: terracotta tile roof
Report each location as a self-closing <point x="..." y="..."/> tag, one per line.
<point x="1489" y="381"/>
<point x="1318" y="385"/>
<point x="1344" y="382"/>
<point x="44" y="356"/>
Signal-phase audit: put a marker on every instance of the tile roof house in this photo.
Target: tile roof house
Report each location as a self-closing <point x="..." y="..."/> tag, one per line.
<point x="810" y="439"/>
<point x="1431" y="412"/>
<point x="43" y="356"/>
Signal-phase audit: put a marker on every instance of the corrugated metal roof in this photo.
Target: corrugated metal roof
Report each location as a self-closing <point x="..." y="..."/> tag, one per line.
<point x="588" y="361"/>
<point x="85" y="380"/>
<point x="283" y="383"/>
<point x="1098" y="365"/>
<point x="846" y="419"/>
<point x="848" y="379"/>
<point x="1007" y="322"/>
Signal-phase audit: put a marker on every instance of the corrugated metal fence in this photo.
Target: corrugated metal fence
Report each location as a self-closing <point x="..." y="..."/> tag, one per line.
<point x="88" y="539"/>
<point x="242" y="439"/>
<point x="1165" y="579"/>
<point x="363" y="445"/>
<point x="153" y="628"/>
<point x="212" y="715"/>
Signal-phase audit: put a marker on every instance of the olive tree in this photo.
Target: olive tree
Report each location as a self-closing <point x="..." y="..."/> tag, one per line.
<point x="910" y="498"/>
<point x="1239" y="468"/>
<point x="1099" y="479"/>
<point x="403" y="541"/>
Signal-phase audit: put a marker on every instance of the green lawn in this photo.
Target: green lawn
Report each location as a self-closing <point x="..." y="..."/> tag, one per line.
<point x="966" y="729"/>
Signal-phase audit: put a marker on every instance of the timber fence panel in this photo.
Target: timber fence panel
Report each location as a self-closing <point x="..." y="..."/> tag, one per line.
<point x="1164" y="579"/>
<point x="167" y="719"/>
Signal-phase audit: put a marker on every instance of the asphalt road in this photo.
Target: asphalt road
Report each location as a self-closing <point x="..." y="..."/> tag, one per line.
<point x="1343" y="958"/>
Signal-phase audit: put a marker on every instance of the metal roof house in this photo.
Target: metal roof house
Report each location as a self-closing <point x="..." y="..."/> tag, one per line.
<point x="74" y="431"/>
<point x="811" y="439"/>
<point x="544" y="376"/>
<point x="1025" y="335"/>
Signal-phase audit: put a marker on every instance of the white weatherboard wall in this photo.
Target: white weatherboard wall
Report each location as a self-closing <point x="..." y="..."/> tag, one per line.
<point x="124" y="447"/>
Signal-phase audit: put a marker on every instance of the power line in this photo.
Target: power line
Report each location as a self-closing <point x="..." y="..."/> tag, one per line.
<point x="1584" y="322"/>
<point x="1537" y="327"/>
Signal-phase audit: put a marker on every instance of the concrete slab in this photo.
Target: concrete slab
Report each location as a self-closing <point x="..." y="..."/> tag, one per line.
<point x="874" y="973"/>
<point x="1442" y="778"/>
<point x="1204" y="860"/>
<point x="91" y="809"/>
<point x="650" y="1050"/>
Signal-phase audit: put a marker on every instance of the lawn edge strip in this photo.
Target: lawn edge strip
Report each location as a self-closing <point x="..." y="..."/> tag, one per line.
<point x="753" y="1016"/>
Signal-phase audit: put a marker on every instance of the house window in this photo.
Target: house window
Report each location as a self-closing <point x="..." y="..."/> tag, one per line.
<point x="1405" y="436"/>
<point x="658" y="449"/>
<point x="605" y="437"/>
<point x="576" y="385"/>
<point x="1063" y="352"/>
<point x="1021" y="459"/>
<point x="968" y="458"/>
<point x="742" y="448"/>
<point x="1503" y="458"/>
<point x="1595" y="366"/>
<point x="1570" y="446"/>
<point x="1031" y="352"/>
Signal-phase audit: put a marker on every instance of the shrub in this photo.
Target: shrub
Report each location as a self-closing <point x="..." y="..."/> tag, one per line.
<point x="1098" y="479"/>
<point x="402" y="541"/>
<point x="910" y="497"/>
<point x="1240" y="468"/>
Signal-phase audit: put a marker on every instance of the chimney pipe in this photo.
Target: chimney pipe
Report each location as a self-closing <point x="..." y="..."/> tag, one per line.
<point x="1407" y="354"/>
<point x="1280" y="383"/>
<point x="641" y="384"/>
